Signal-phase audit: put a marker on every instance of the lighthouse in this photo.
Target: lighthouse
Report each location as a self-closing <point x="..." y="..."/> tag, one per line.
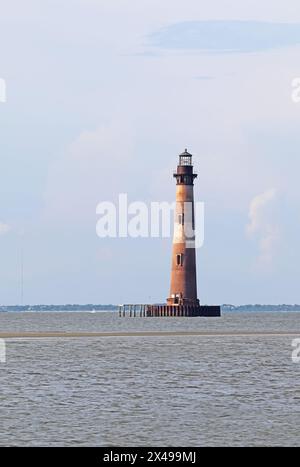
<point x="183" y="290"/>
<point x="183" y="300"/>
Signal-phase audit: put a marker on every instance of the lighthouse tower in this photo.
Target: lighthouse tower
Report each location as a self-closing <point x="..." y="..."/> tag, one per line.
<point x="183" y="290"/>
<point x="183" y="300"/>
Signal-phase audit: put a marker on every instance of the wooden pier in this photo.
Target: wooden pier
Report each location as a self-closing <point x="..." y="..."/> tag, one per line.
<point x="158" y="311"/>
<point x="133" y="310"/>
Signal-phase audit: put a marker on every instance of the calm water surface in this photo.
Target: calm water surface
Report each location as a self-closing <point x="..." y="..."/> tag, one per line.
<point x="161" y="391"/>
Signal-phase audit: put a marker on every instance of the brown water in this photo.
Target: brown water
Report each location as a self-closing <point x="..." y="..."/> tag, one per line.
<point x="167" y="391"/>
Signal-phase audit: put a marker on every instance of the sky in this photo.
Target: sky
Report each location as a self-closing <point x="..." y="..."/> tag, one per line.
<point x="101" y="97"/>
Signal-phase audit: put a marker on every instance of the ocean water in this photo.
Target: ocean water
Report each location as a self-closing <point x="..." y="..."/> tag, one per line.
<point x="224" y="390"/>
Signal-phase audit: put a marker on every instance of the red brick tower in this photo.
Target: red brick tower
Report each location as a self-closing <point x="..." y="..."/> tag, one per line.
<point x="183" y="301"/>
<point x="183" y="289"/>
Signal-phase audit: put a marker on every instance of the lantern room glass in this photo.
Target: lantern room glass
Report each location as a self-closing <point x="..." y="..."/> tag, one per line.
<point x="185" y="160"/>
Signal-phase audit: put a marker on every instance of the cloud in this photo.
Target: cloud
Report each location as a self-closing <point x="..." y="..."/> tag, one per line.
<point x="204" y="77"/>
<point x="4" y="228"/>
<point x="263" y="226"/>
<point x="91" y="170"/>
<point x="226" y="36"/>
<point x="256" y="210"/>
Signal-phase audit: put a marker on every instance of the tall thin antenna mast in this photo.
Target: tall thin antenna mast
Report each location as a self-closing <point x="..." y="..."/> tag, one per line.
<point x="22" y="270"/>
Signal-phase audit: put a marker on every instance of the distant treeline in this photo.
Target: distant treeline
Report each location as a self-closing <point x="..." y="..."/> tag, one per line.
<point x="258" y="307"/>
<point x="91" y="307"/>
<point x="67" y="307"/>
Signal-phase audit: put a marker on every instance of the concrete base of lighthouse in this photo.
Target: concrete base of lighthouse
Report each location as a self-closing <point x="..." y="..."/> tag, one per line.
<point x="182" y="310"/>
<point x="167" y="310"/>
<point x="210" y="310"/>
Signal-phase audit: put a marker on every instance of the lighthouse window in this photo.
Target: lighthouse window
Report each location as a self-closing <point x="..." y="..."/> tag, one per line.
<point x="179" y="259"/>
<point x="185" y="160"/>
<point x="181" y="219"/>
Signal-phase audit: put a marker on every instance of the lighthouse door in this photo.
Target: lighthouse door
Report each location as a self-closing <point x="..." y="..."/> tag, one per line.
<point x="176" y="299"/>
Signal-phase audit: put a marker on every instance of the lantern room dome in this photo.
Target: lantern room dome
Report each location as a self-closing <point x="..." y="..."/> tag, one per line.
<point x="185" y="153"/>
